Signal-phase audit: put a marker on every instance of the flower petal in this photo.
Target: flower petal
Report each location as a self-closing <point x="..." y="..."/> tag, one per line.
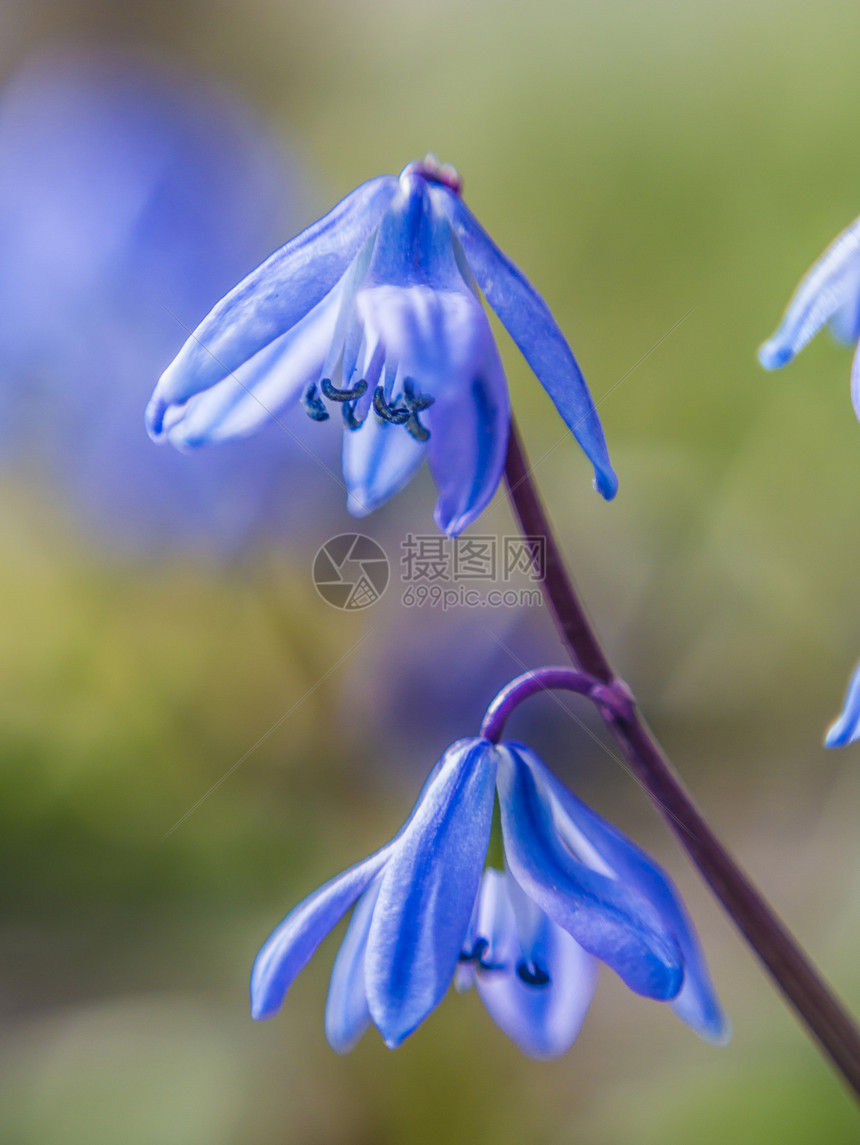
<point x="292" y="944"/>
<point x="346" y="1013"/>
<point x="437" y="337"/>
<point x="598" y="843"/>
<point x="273" y="297"/>
<point x="846" y="729"/>
<point x="542" y="1019"/>
<point x="468" y="444"/>
<point x="414" y="299"/>
<point x="530" y="323"/>
<point x="428" y="892"/>
<point x="609" y="919"/>
<point x="845" y="323"/>
<point x="378" y="460"/>
<point x="259" y="390"/>
<point x="464" y="975"/>
<point x="415" y="243"/>
<point x="827" y="287"/>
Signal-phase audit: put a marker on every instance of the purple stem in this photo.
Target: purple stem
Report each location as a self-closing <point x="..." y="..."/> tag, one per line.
<point x="613" y="700"/>
<point x="782" y="957"/>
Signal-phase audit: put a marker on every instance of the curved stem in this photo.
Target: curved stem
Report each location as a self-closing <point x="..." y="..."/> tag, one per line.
<point x="614" y="700"/>
<point x="783" y="958"/>
<point x="529" y="684"/>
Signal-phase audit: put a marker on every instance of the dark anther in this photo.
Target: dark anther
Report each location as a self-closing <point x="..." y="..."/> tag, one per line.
<point x="413" y="401"/>
<point x="407" y="413"/>
<point x="476" y="954"/>
<point x="349" y="418"/>
<point x="398" y="415"/>
<point x="415" y="429"/>
<point x="313" y="404"/>
<point x="346" y="395"/>
<point x="532" y="977"/>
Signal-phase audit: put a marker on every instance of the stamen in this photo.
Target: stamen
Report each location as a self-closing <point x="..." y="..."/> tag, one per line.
<point x="346" y="395"/>
<point x="313" y="404"/>
<point x="537" y="977"/>
<point x="413" y="401"/>
<point x="415" y="429"/>
<point x="477" y="951"/>
<point x="407" y="413"/>
<point x="349" y="418"/>
<point x="477" y="955"/>
<point x="397" y="415"/>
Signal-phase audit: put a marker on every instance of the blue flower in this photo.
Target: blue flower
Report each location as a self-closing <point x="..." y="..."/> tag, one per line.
<point x="427" y="912"/>
<point x="846" y="728"/>
<point x="829" y="292"/>
<point x="131" y="197"/>
<point x="375" y="311"/>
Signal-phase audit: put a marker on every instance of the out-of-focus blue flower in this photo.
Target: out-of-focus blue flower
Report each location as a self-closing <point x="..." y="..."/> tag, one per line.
<point x="376" y="308"/>
<point x="574" y="890"/>
<point x="846" y="729"/>
<point x="829" y="292"/>
<point x="131" y="197"/>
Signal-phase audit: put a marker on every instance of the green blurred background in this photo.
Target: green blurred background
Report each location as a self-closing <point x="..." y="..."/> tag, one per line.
<point x="664" y="172"/>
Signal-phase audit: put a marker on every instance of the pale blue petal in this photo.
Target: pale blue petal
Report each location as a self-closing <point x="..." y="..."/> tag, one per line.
<point x="530" y="323"/>
<point x="437" y="337"/>
<point x="273" y="297"/>
<point x="495" y="922"/>
<point x="846" y="729"/>
<point x="845" y="323"/>
<point x="291" y="945"/>
<point x="464" y="975"/>
<point x="542" y="1020"/>
<point x="261" y="389"/>
<point x="610" y="920"/>
<point x="346" y="1013"/>
<point x="468" y="445"/>
<point x="378" y="460"/>
<point x="827" y="287"/>
<point x="428" y="892"/>
<point x="598" y="843"/>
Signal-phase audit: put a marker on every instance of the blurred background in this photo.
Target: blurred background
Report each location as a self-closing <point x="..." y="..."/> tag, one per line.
<point x="191" y="739"/>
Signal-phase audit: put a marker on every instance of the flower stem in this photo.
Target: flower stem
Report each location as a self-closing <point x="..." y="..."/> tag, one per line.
<point x="612" y="699"/>
<point x="783" y="958"/>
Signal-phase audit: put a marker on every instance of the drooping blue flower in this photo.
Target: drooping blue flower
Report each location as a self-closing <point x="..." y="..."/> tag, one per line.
<point x="375" y="311"/>
<point x="846" y="728"/>
<point x="828" y="293"/>
<point x="131" y="197"/>
<point x="427" y="912"/>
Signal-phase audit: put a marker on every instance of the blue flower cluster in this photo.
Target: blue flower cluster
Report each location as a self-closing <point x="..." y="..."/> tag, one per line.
<point x="375" y="311"/>
<point x="427" y="912"/>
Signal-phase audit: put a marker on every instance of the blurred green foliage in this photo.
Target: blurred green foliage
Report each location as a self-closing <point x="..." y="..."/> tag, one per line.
<point x="664" y="173"/>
